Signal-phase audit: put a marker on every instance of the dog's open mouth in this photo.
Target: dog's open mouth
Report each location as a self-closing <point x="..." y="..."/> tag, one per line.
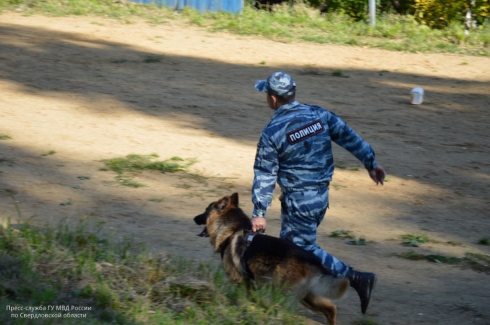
<point x="203" y="233"/>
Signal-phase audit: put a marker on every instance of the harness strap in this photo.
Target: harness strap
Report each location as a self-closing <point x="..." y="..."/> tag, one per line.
<point x="249" y="237"/>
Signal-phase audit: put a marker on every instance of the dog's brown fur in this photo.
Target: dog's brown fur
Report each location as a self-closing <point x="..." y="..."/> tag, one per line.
<point x="268" y="258"/>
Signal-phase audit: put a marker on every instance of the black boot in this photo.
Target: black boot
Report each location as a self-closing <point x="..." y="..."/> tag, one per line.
<point x="364" y="283"/>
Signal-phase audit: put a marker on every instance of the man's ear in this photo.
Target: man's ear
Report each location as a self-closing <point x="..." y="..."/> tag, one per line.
<point x="274" y="100"/>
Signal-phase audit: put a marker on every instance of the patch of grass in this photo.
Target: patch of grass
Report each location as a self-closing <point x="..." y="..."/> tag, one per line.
<point x="454" y="243"/>
<point x="342" y="234"/>
<point x="360" y="241"/>
<point x="119" y="282"/>
<point x="5" y="137"/>
<point x="478" y="262"/>
<point x="152" y="59"/>
<point x="126" y="181"/>
<point x="341" y="165"/>
<point x="127" y="167"/>
<point x="364" y="321"/>
<point x="337" y="73"/>
<point x="475" y="261"/>
<point x="337" y="186"/>
<point x="49" y="153"/>
<point x="442" y="259"/>
<point x="135" y="162"/>
<point x="411" y="255"/>
<point x="156" y="199"/>
<point x="414" y="240"/>
<point x="347" y="234"/>
<point x="484" y="241"/>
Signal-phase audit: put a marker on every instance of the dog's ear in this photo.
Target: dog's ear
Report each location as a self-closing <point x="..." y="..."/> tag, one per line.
<point x="234" y="199"/>
<point x="222" y="204"/>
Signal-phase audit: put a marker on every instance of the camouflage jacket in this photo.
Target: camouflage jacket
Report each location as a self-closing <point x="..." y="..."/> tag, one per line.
<point x="295" y="149"/>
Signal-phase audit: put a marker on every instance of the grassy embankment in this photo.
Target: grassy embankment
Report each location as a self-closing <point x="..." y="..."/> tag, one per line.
<point x="284" y="23"/>
<point x="81" y="275"/>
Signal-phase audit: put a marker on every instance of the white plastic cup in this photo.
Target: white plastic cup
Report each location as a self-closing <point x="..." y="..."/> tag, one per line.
<point x="417" y="96"/>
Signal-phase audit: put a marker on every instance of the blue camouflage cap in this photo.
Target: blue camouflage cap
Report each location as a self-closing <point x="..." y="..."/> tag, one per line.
<point x="278" y="83"/>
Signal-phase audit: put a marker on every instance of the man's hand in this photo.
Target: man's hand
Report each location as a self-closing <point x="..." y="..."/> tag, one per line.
<point x="378" y="175"/>
<point x="258" y="224"/>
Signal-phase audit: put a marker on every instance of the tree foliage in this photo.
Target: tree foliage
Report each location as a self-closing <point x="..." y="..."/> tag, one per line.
<point x="441" y="13"/>
<point x="433" y="13"/>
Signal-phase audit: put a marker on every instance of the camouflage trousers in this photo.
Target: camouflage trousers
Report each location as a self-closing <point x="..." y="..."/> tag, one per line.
<point x="301" y="214"/>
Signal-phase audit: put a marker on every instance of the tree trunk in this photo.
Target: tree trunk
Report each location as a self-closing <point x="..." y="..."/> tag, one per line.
<point x="469" y="22"/>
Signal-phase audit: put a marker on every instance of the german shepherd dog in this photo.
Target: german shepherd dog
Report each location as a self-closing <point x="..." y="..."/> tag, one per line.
<point x="250" y="258"/>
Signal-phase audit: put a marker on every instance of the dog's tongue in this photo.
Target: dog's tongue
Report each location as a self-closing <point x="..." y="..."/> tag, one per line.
<point x="203" y="233"/>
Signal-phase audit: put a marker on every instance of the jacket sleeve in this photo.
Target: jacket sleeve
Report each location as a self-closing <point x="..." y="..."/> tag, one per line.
<point x="345" y="137"/>
<point x="265" y="175"/>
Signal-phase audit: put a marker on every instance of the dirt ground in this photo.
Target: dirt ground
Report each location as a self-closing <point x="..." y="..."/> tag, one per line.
<point x="80" y="88"/>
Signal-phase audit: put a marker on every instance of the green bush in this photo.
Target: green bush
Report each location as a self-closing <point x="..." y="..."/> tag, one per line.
<point x="357" y="9"/>
<point x="442" y="13"/>
<point x="433" y="13"/>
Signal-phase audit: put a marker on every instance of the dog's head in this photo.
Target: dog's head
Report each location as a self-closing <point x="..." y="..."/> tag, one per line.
<point x="222" y="219"/>
<point x="216" y="208"/>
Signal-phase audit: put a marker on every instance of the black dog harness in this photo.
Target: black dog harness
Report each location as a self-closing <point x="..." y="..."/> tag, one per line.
<point x="250" y="235"/>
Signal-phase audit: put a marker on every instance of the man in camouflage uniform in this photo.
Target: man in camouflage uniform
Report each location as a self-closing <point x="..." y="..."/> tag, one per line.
<point x="295" y="150"/>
